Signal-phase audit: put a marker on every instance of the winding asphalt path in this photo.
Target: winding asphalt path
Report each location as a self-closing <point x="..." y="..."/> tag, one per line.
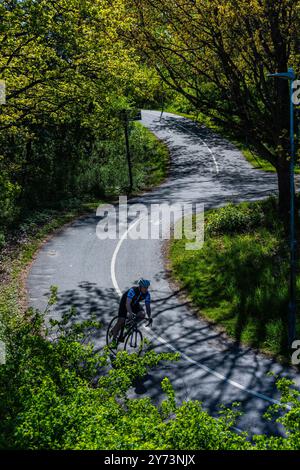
<point x="91" y="273"/>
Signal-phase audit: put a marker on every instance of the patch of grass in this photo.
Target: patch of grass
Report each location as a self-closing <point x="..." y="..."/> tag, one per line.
<point x="151" y="157"/>
<point x="240" y="278"/>
<point x="18" y="246"/>
<point x="20" y="249"/>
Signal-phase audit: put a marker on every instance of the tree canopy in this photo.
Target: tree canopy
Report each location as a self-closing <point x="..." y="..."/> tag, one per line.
<point x="218" y="55"/>
<point x="68" y="72"/>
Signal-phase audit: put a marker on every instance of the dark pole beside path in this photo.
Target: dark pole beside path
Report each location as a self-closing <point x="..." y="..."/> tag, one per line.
<point x="292" y="305"/>
<point x="128" y="152"/>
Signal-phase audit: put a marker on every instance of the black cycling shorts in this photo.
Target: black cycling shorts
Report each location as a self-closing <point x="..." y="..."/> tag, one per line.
<point x="122" y="307"/>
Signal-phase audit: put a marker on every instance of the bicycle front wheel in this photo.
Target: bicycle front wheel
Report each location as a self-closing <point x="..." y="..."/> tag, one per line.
<point x="134" y="342"/>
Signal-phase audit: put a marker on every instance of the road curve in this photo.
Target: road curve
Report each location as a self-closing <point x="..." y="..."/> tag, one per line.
<point x="91" y="273"/>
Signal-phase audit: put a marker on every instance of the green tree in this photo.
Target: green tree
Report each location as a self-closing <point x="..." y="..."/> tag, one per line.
<point x="218" y="54"/>
<point x="65" y="64"/>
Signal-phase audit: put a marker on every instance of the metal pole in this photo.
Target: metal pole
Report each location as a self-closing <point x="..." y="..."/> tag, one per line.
<point x="292" y="304"/>
<point x="292" y="323"/>
<point x="128" y="151"/>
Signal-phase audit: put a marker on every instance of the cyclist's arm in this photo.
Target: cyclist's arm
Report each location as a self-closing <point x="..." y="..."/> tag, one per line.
<point x="130" y="296"/>
<point x="148" y="304"/>
<point x="148" y="310"/>
<point x="128" y="305"/>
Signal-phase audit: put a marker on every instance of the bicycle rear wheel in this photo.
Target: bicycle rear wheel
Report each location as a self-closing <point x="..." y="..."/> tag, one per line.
<point x="134" y="342"/>
<point x="109" y="330"/>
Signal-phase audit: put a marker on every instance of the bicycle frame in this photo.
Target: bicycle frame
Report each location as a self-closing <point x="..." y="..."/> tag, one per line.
<point x="132" y="326"/>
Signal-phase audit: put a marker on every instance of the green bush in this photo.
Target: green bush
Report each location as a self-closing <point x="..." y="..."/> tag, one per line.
<point x="234" y="219"/>
<point x="179" y="103"/>
<point x="63" y="166"/>
<point x="58" y="393"/>
<point x="149" y="162"/>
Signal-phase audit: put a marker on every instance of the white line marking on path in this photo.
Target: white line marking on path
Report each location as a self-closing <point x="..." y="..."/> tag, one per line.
<point x="114" y="258"/>
<point x="163" y="341"/>
<point x="210" y="150"/>
<point x="204" y="143"/>
<point x="213" y="372"/>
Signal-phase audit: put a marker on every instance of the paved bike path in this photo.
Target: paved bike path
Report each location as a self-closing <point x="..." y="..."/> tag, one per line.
<point x="91" y="273"/>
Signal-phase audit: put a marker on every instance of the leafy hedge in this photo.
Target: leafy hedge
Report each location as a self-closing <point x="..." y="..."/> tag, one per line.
<point x="58" y="393"/>
<point x="242" y="218"/>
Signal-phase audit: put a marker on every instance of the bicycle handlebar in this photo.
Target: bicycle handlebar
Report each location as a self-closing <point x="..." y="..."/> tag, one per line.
<point x="133" y="317"/>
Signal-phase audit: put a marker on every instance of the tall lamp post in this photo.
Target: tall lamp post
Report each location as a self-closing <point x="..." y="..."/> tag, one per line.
<point x="290" y="75"/>
<point x="128" y="154"/>
<point x="127" y="115"/>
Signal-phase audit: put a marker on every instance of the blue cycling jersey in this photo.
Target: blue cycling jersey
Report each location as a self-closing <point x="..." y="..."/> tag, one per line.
<point x="137" y="296"/>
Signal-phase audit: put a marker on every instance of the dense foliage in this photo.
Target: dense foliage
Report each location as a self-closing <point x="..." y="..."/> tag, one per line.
<point x="58" y="393"/>
<point x="71" y="68"/>
<point x="68" y="76"/>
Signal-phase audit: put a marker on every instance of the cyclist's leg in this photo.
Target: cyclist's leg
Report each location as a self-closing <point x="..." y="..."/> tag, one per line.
<point x="140" y="314"/>
<point x="119" y="327"/>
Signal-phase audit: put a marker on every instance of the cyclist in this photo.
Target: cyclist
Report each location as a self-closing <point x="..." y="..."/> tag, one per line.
<point x="130" y="302"/>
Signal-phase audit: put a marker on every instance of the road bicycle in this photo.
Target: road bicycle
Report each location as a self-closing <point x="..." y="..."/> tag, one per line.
<point x="133" y="337"/>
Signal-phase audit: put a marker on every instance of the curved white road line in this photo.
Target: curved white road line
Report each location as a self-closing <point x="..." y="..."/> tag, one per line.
<point x="205" y="144"/>
<point x="210" y="150"/>
<point x="114" y="257"/>
<point x="214" y="158"/>
<point x="213" y="372"/>
<point x="163" y="341"/>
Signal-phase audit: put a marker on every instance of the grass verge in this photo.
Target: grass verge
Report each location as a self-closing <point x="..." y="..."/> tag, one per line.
<point x="240" y="278"/>
<point x="19" y="250"/>
<point x="153" y="168"/>
<point x="22" y="242"/>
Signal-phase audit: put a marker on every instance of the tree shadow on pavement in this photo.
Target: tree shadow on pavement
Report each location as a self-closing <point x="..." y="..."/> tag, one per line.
<point x="206" y="352"/>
